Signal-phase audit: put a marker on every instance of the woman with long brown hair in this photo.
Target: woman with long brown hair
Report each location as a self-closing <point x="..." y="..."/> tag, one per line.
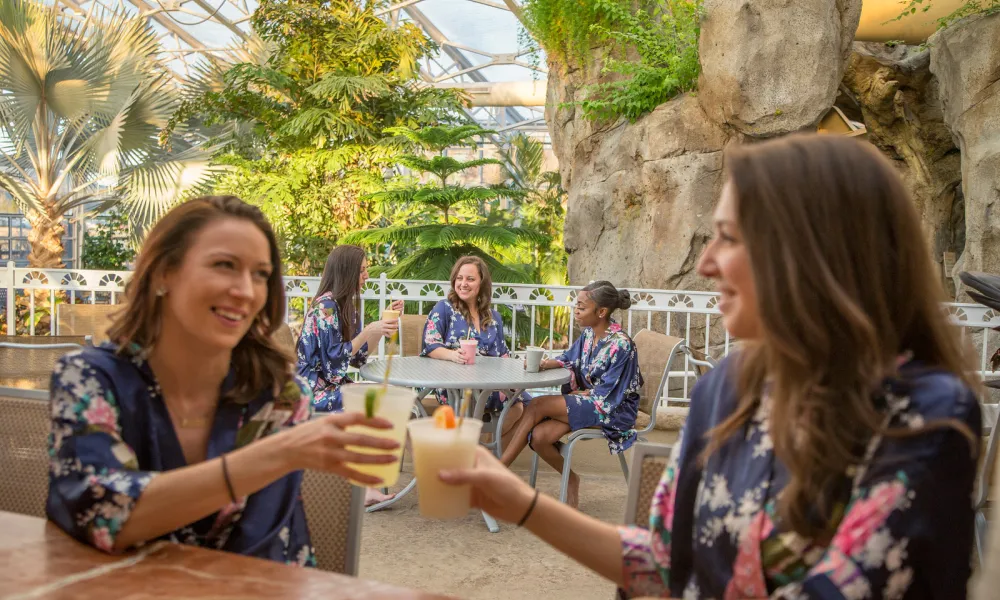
<point x="832" y="456"/>
<point x="189" y="425"/>
<point x="332" y="337"/>
<point x="468" y="312"/>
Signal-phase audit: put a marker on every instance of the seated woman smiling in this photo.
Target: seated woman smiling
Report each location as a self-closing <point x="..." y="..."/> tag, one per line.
<point x="190" y="426"/>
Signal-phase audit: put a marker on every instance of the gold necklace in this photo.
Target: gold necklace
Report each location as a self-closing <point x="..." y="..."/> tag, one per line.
<point x="191" y="422"/>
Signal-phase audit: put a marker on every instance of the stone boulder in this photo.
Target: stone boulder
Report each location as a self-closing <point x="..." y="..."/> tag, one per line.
<point x="641" y="198"/>
<point x="771" y="67"/>
<point x="965" y="58"/>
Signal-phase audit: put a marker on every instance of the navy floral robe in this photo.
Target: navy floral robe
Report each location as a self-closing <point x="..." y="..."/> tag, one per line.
<point x="324" y="355"/>
<point x="905" y="530"/>
<point x="609" y="369"/>
<point x="112" y="434"/>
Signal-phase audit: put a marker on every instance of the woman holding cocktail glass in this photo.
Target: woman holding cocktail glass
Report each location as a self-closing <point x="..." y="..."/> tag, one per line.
<point x="834" y="454"/>
<point x="190" y="425"/>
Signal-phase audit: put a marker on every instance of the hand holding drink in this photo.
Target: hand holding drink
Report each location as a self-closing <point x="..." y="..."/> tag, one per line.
<point x="439" y="443"/>
<point x="391" y="403"/>
<point x="469" y="348"/>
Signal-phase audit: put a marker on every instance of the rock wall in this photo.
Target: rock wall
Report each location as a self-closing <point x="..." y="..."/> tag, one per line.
<point x="965" y="58"/>
<point x="641" y="194"/>
<point x="898" y="99"/>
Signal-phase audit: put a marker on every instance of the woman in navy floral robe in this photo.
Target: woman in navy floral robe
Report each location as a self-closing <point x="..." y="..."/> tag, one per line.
<point x="468" y="312"/>
<point x="603" y="390"/>
<point x="834" y="456"/>
<point x="191" y="427"/>
<point x="332" y="337"/>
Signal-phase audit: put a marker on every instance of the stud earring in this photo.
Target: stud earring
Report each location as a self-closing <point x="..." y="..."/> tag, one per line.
<point x="161" y="292"/>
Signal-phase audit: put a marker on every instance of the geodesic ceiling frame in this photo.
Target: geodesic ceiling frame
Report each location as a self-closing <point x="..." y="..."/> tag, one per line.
<point x="183" y="25"/>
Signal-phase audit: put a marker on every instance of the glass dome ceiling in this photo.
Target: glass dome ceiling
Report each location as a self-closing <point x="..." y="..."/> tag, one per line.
<point x="478" y="39"/>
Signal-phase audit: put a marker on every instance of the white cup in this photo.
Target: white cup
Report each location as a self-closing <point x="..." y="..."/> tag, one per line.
<point x="534" y="358"/>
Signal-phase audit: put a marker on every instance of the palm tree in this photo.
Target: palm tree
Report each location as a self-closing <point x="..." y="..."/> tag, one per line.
<point x="82" y="99"/>
<point x="434" y="246"/>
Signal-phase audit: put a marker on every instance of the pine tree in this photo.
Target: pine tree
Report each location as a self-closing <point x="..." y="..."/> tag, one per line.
<point x="452" y="224"/>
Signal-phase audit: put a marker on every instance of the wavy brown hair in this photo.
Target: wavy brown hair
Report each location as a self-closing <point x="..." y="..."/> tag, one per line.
<point x="341" y="276"/>
<point x="484" y="301"/>
<point x="258" y="362"/>
<point x="845" y="284"/>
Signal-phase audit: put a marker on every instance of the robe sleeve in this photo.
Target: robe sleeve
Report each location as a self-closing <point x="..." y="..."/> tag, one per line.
<point x="646" y="550"/>
<point x="94" y="477"/>
<point x="436" y="328"/>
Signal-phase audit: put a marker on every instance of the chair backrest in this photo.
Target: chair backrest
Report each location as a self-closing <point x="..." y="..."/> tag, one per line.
<point x="411" y="335"/>
<point x="24" y="457"/>
<point x="656" y="355"/>
<point x="334" y="509"/>
<point x="86" y="319"/>
<point x="285" y="338"/>
<point x="648" y="464"/>
<point x="26" y="361"/>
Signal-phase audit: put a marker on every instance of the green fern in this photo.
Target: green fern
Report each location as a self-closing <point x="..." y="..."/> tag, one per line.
<point x="651" y="49"/>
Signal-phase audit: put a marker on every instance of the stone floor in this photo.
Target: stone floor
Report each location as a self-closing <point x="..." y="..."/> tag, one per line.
<point x="464" y="559"/>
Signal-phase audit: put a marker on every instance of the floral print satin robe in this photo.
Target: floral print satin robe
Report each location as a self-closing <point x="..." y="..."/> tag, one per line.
<point x="609" y="369"/>
<point x="112" y="435"/>
<point x="324" y="355"/>
<point x="906" y="525"/>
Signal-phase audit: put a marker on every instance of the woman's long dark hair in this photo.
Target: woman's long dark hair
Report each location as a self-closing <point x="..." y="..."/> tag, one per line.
<point x="341" y="278"/>
<point x="484" y="301"/>
<point x="258" y="362"/>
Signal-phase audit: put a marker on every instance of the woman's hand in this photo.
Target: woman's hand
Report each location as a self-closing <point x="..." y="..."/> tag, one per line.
<point x="383" y="328"/>
<point x="495" y="488"/>
<point x="397" y="305"/>
<point x="456" y="356"/>
<point x="548" y="363"/>
<point x="321" y="445"/>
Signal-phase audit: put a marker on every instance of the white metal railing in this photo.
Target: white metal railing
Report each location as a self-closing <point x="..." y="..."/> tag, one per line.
<point x="690" y="315"/>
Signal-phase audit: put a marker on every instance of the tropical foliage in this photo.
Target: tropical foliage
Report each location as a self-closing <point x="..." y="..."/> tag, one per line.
<point x="649" y="51"/>
<point x="445" y="221"/>
<point x="82" y="101"/>
<point x="968" y="8"/>
<point x="302" y="120"/>
<point x="540" y="206"/>
<point x="106" y="245"/>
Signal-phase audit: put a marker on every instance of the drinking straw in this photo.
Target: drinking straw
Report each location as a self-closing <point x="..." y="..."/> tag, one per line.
<point x="542" y="345"/>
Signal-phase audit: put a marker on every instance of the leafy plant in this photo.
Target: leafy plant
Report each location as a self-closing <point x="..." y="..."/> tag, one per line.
<point x="970" y="7"/>
<point x="650" y="52"/>
<point x="302" y="124"/>
<point x="442" y="229"/>
<point x="541" y="206"/>
<point x="81" y="103"/>
<point x="106" y="245"/>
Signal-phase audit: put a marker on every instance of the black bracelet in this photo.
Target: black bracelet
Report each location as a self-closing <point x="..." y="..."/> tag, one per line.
<point x="531" y="507"/>
<point x="229" y="482"/>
